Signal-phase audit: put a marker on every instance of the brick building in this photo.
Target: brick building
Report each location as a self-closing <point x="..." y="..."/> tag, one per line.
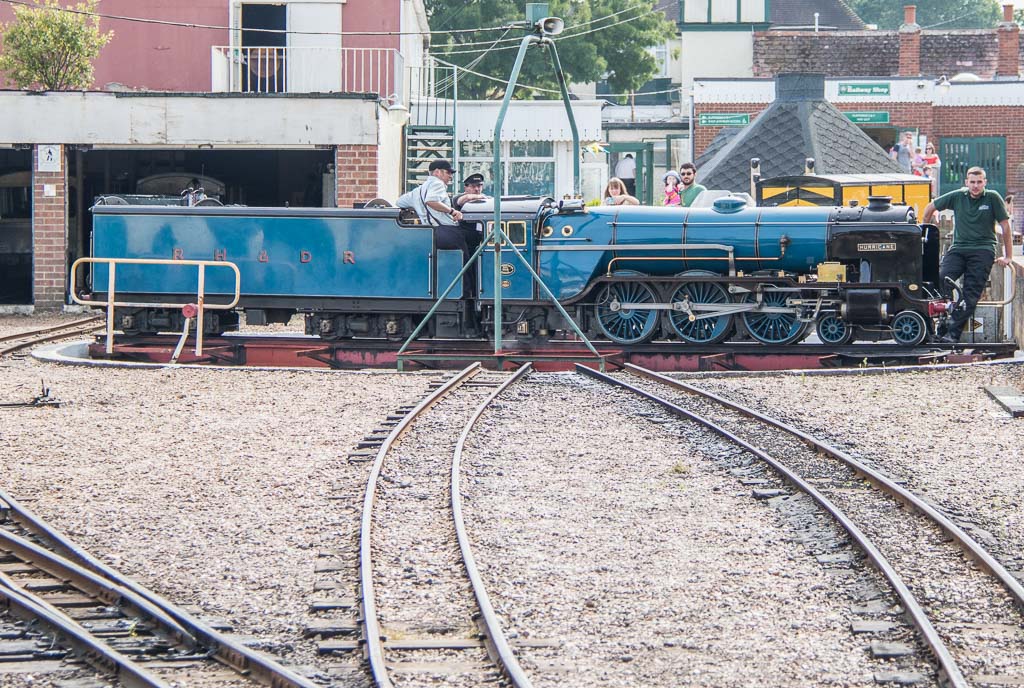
<point x="888" y="82"/>
<point x="284" y="102"/>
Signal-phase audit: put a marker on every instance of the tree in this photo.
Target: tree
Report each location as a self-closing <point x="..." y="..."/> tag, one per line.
<point x="602" y="39"/>
<point x="937" y="14"/>
<point x="51" y="48"/>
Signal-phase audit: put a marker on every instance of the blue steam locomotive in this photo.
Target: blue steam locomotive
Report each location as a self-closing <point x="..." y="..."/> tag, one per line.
<point x="628" y="274"/>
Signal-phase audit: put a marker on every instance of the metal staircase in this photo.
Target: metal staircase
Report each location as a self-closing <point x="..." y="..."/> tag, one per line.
<point x="430" y="134"/>
<point x="424" y="144"/>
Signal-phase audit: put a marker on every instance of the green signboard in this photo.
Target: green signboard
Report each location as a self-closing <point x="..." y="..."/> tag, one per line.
<point x="868" y="117"/>
<point x="723" y="119"/>
<point x="854" y="89"/>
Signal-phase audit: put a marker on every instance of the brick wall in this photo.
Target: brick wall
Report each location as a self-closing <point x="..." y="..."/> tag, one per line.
<point x="702" y="136"/>
<point x="988" y="121"/>
<point x="913" y="116"/>
<point x="49" y="233"/>
<point x="356" y="168"/>
<point x="857" y="53"/>
<point x="835" y="53"/>
<point x="952" y="52"/>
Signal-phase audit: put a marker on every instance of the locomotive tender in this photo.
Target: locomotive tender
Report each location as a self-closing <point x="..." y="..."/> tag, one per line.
<point x="627" y="274"/>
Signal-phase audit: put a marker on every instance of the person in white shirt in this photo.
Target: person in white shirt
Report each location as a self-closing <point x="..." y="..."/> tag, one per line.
<point x="434" y="207"/>
<point x="431" y="201"/>
<point x="625" y="169"/>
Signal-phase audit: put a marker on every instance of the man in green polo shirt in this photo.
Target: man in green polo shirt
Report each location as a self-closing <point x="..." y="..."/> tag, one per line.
<point x="690" y="189"/>
<point x="976" y="212"/>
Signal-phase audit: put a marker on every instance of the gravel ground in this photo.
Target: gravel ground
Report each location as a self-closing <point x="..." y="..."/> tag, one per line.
<point x="220" y="489"/>
<point x="937" y="429"/>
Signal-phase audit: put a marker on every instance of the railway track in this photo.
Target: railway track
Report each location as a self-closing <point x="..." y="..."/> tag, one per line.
<point x="16" y="342"/>
<point x="456" y="638"/>
<point x="72" y="607"/>
<point x="965" y="605"/>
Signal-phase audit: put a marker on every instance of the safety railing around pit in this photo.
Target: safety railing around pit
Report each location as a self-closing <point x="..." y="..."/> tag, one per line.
<point x="189" y="309"/>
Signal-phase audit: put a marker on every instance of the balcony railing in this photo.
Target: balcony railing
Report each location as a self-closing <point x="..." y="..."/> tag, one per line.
<point x="307" y="70"/>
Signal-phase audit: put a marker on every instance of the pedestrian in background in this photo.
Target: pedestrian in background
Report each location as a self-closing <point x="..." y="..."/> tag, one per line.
<point x="615" y="194"/>
<point x="903" y="152"/>
<point x="625" y="170"/>
<point x="672" y="181"/>
<point x="690" y="188"/>
<point x="932" y="167"/>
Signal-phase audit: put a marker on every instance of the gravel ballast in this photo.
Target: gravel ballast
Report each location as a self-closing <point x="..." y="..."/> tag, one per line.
<point x="220" y="488"/>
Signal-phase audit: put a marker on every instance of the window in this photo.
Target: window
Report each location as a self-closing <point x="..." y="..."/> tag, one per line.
<point x="660" y="55"/>
<point x="515" y="230"/>
<point x="529" y="166"/>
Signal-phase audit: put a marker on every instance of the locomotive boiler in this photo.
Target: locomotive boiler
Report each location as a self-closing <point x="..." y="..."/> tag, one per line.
<point x="627" y="274"/>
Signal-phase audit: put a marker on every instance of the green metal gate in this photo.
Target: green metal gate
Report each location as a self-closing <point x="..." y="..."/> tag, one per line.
<point x="643" y="153"/>
<point x="960" y="154"/>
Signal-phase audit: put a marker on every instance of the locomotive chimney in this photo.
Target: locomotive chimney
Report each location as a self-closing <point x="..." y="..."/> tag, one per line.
<point x="910" y="43"/>
<point x="878" y="203"/>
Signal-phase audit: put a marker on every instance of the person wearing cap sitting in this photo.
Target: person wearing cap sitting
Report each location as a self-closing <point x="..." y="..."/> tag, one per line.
<point x="472" y="190"/>
<point x="431" y="202"/>
<point x="434" y="207"/>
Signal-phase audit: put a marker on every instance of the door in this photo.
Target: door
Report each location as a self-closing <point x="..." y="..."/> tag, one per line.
<point x="957" y="155"/>
<point x="516" y="281"/>
<point x="643" y="156"/>
<point x="263" y="48"/>
<point x="314" y="54"/>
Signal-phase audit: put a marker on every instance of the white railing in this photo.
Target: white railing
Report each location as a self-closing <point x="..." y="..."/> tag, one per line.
<point x="307" y="70"/>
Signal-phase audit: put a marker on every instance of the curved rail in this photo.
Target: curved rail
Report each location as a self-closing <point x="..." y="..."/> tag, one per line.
<point x="235" y="655"/>
<point x="497" y="645"/>
<point x="370" y="623"/>
<point x="88" y="647"/>
<point x="886" y="484"/>
<point x="954" y="677"/>
<point x="47" y="334"/>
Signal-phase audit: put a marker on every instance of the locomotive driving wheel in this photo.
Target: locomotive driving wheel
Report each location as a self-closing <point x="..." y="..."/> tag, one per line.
<point x="773" y="327"/>
<point x="620" y="322"/>
<point x="685" y="321"/>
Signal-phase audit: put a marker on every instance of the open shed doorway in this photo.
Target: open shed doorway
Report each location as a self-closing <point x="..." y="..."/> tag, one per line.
<point x="15" y="227"/>
<point x="264" y="178"/>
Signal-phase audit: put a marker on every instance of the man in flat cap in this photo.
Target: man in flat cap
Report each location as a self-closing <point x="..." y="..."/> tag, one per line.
<point x="435" y="208"/>
<point x="430" y="200"/>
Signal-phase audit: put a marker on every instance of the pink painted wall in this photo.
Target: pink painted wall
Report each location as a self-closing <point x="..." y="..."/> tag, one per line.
<point x="175" y="58"/>
<point x="379" y="15"/>
<point x="152" y="56"/>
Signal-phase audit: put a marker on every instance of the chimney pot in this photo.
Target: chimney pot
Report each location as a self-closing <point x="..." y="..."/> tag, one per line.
<point x="910" y="14"/>
<point x="1007" y="12"/>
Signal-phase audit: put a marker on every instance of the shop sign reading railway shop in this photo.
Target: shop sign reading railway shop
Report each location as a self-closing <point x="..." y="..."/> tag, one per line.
<point x="860" y="89"/>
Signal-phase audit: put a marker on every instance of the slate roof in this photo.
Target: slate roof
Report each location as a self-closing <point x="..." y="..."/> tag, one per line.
<point x="833" y="14"/>
<point x="800" y="124"/>
<point x="724" y="136"/>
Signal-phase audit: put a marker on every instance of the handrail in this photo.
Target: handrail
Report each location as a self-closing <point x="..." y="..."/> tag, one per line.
<point x="1013" y="287"/>
<point x="111" y="301"/>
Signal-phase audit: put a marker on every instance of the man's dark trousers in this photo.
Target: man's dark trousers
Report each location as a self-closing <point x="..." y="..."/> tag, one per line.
<point x="974" y="266"/>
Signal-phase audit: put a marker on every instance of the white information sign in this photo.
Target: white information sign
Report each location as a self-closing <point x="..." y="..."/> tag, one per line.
<point x="49" y="158"/>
